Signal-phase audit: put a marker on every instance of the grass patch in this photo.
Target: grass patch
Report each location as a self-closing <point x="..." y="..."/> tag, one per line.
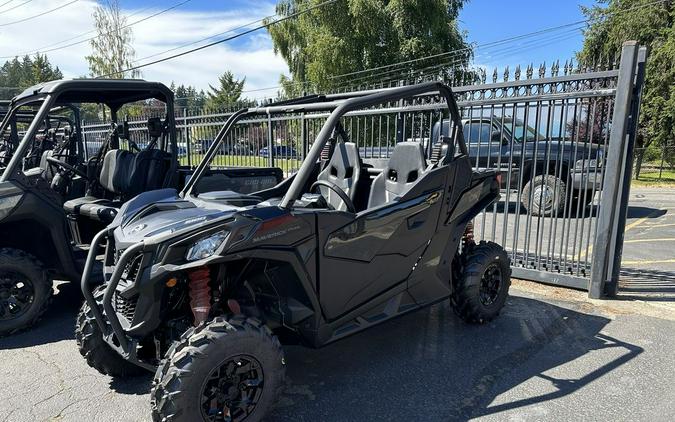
<point x="651" y="179"/>
<point x="243" y="161"/>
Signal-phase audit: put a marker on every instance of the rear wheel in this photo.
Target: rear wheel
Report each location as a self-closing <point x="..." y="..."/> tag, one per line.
<point x="225" y="370"/>
<point x="96" y="351"/>
<point x="480" y="291"/>
<point x="544" y="195"/>
<point x="25" y="290"/>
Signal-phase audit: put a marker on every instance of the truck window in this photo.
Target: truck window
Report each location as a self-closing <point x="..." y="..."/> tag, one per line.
<point x="476" y="133"/>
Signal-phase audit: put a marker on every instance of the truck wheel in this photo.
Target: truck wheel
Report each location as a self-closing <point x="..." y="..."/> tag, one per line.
<point x="96" y="351"/>
<point x="25" y="290"/>
<point x="544" y="195"/>
<point x="481" y="289"/>
<point x="225" y="370"/>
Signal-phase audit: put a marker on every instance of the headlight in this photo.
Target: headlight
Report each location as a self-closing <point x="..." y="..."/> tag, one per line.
<point x="205" y="247"/>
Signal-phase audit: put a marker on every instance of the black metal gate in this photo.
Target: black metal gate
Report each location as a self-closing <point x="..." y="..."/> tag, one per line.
<point x="565" y="146"/>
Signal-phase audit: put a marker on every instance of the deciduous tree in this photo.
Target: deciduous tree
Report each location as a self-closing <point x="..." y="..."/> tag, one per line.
<point x="353" y="35"/>
<point x="653" y="25"/>
<point x="112" y="50"/>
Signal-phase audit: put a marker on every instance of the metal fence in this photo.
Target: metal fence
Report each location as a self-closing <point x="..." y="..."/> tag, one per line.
<point x="655" y="164"/>
<point x="559" y="217"/>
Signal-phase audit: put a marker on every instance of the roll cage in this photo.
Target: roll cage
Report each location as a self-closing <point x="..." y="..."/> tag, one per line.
<point x="338" y="105"/>
<point x="114" y="93"/>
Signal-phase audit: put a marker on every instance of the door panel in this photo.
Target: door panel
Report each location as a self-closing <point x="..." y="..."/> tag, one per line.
<point x="374" y="252"/>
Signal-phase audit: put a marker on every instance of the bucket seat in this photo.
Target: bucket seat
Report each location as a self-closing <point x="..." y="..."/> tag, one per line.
<point x="406" y="166"/>
<point x="344" y="170"/>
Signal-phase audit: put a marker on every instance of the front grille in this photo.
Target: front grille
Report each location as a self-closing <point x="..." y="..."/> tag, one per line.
<point x="132" y="267"/>
<point x="124" y="306"/>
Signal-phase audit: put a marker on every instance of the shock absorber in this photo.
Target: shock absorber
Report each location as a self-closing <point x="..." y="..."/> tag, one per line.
<point x="200" y="294"/>
<point x="467" y="239"/>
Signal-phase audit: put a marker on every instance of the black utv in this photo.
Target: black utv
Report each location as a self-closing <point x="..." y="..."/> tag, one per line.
<point x="201" y="287"/>
<point x="57" y="191"/>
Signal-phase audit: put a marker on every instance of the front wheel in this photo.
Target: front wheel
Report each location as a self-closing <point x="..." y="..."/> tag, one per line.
<point x="544" y="196"/>
<point x="480" y="290"/>
<point x="95" y="350"/>
<point x="25" y="290"/>
<point x="225" y="370"/>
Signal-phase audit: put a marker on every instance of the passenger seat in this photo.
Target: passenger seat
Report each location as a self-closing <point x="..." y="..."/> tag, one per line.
<point x="124" y="174"/>
<point x="406" y="166"/>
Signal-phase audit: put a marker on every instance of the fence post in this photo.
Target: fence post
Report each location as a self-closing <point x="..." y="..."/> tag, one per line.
<point x="270" y="142"/>
<point x="612" y="286"/>
<point x="612" y="199"/>
<point x="303" y="136"/>
<point x="188" y="149"/>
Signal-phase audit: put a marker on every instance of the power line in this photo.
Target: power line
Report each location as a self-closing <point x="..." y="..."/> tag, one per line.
<point x="13" y="7"/>
<point x="42" y="50"/>
<point x="39" y="14"/>
<point x="246" y="25"/>
<point x="249" y="31"/>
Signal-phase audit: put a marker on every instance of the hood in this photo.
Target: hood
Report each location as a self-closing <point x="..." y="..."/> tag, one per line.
<point x="142" y="219"/>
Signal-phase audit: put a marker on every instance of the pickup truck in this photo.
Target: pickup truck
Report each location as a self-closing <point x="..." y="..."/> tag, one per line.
<point x="548" y="171"/>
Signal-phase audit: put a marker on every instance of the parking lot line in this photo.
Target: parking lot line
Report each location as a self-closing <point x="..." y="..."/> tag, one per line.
<point x="664" y="261"/>
<point x="643" y="219"/>
<point x="630" y="226"/>
<point x="665" y="239"/>
<point x="660" y="225"/>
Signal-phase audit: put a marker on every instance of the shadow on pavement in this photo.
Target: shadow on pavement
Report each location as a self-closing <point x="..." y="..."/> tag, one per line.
<point x="647" y="285"/>
<point x="431" y="366"/>
<point x="58" y="322"/>
<point x="644" y="212"/>
<point x="132" y="385"/>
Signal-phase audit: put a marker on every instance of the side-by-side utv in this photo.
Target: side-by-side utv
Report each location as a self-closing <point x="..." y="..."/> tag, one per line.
<point x="57" y="191"/>
<point x="201" y="287"/>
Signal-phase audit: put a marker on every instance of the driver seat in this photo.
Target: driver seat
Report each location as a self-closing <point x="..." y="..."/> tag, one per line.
<point x="344" y="170"/>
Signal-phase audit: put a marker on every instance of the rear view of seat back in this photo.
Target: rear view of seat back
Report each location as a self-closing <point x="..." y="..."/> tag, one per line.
<point x="128" y="174"/>
<point x="148" y="172"/>
<point x="406" y="166"/>
<point x="344" y="170"/>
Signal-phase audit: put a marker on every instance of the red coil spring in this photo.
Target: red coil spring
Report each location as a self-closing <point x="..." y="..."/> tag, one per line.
<point x="467" y="239"/>
<point x="200" y="294"/>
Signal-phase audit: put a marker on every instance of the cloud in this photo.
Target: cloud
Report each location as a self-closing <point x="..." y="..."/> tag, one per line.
<point x="251" y="56"/>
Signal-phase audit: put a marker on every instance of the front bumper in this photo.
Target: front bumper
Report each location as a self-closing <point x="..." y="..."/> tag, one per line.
<point x="115" y="330"/>
<point x="588" y="179"/>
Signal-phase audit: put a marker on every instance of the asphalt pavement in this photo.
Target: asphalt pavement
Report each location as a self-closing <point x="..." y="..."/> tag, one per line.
<point x="553" y="354"/>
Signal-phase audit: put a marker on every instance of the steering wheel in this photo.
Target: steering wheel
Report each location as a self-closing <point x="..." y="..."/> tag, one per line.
<point x="335" y="188"/>
<point x="67" y="167"/>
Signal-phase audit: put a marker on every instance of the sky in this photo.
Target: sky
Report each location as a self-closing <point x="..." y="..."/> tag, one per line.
<point x="252" y="56"/>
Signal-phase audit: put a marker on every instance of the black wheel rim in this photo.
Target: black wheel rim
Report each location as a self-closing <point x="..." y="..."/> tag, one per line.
<point x="490" y="284"/>
<point x="232" y="390"/>
<point x="16" y="295"/>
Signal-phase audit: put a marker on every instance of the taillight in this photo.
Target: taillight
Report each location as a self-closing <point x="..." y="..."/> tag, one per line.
<point x="499" y="178"/>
